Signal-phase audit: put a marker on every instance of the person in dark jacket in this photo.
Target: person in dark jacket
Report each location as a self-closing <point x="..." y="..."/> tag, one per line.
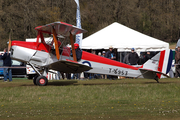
<point x="6" y="63"/>
<point x="78" y="51"/>
<point x="177" y="61"/>
<point x="111" y="54"/>
<point x="133" y="57"/>
<point x="78" y="57"/>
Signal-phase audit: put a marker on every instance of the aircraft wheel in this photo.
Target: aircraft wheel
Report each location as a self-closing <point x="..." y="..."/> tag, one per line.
<point x="34" y="79"/>
<point x="41" y="81"/>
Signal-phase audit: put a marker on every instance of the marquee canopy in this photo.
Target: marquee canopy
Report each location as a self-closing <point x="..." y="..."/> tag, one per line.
<point x="123" y="39"/>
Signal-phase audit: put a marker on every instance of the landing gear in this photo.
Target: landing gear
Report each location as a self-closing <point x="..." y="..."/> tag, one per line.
<point x="41" y="81"/>
<point x="34" y="79"/>
<point x="157" y="79"/>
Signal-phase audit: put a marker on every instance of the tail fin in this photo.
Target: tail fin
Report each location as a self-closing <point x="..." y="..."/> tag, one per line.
<point x="161" y="62"/>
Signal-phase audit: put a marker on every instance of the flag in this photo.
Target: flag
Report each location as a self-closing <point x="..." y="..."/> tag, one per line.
<point x="78" y="24"/>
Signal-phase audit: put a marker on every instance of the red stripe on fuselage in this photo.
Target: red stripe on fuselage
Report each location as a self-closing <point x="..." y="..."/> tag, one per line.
<point x="95" y="58"/>
<point x="161" y="60"/>
<point x="32" y="45"/>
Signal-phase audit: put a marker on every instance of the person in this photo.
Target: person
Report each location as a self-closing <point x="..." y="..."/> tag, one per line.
<point x="103" y="76"/>
<point x="103" y="54"/>
<point x="99" y="53"/>
<point x="133" y="57"/>
<point x="144" y="56"/>
<point x="78" y="51"/>
<point x="111" y="54"/>
<point x="78" y="57"/>
<point x="93" y="52"/>
<point x="6" y="63"/>
<point x="177" y="61"/>
<point x="125" y="60"/>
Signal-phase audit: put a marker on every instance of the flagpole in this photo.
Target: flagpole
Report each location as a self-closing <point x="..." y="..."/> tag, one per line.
<point x="78" y="24"/>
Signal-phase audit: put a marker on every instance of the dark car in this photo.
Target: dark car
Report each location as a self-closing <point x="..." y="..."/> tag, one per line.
<point x="16" y="72"/>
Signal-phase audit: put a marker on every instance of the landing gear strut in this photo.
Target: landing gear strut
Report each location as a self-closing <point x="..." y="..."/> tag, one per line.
<point x="40" y="79"/>
<point x="157" y="79"/>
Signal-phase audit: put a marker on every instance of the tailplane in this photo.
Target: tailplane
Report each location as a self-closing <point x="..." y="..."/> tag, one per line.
<point x="161" y="63"/>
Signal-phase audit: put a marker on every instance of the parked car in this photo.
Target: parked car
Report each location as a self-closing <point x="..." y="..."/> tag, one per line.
<point x="16" y="72"/>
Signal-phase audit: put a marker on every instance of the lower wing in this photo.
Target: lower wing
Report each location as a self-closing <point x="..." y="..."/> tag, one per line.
<point x="69" y="66"/>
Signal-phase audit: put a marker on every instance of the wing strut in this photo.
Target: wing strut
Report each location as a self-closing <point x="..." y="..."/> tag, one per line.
<point x="56" y="44"/>
<point x="72" y="47"/>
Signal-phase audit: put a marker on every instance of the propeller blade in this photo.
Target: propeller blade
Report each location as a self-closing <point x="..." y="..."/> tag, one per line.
<point x="9" y="45"/>
<point x="56" y="44"/>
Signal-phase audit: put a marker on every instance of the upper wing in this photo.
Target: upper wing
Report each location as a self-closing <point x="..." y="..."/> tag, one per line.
<point x="69" y="67"/>
<point x="61" y="28"/>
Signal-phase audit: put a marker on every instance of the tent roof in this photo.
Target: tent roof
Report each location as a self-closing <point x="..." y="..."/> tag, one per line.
<point x="122" y="38"/>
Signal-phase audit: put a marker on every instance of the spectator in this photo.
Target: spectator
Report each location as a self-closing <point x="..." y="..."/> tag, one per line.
<point x="144" y="57"/>
<point x="6" y="63"/>
<point x="147" y="56"/>
<point x="94" y="52"/>
<point x="68" y="76"/>
<point x="103" y="54"/>
<point x="99" y="53"/>
<point x="125" y="60"/>
<point x="177" y="58"/>
<point x="133" y="57"/>
<point x="110" y="54"/>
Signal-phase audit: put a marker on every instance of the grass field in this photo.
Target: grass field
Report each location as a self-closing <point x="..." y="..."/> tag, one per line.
<point x="124" y="99"/>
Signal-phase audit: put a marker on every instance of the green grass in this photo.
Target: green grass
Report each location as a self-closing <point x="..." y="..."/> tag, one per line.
<point x="91" y="99"/>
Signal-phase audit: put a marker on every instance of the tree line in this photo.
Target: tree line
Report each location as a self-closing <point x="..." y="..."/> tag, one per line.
<point x="156" y="18"/>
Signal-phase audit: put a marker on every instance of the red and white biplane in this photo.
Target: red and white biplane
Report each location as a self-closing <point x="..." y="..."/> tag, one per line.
<point x="42" y="57"/>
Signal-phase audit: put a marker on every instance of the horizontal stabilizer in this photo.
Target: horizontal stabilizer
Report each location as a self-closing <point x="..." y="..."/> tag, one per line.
<point x="150" y="74"/>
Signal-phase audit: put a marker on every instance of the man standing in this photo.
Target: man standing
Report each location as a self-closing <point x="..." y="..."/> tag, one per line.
<point x="110" y="54"/>
<point x="103" y="54"/>
<point x="133" y="57"/>
<point x="177" y="58"/>
<point x="6" y="63"/>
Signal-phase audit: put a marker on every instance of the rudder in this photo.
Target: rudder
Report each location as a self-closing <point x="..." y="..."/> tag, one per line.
<point x="161" y="62"/>
<point x="165" y="61"/>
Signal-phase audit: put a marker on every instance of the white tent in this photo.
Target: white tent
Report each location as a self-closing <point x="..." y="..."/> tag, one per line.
<point x="122" y="38"/>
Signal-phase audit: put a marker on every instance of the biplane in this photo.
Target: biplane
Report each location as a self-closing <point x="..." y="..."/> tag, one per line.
<point x="42" y="57"/>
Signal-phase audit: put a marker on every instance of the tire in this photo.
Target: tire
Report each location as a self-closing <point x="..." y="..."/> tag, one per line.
<point x="41" y="81"/>
<point x="34" y="79"/>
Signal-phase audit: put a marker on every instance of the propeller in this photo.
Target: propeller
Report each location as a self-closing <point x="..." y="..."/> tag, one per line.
<point x="9" y="45"/>
<point x="56" y="44"/>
